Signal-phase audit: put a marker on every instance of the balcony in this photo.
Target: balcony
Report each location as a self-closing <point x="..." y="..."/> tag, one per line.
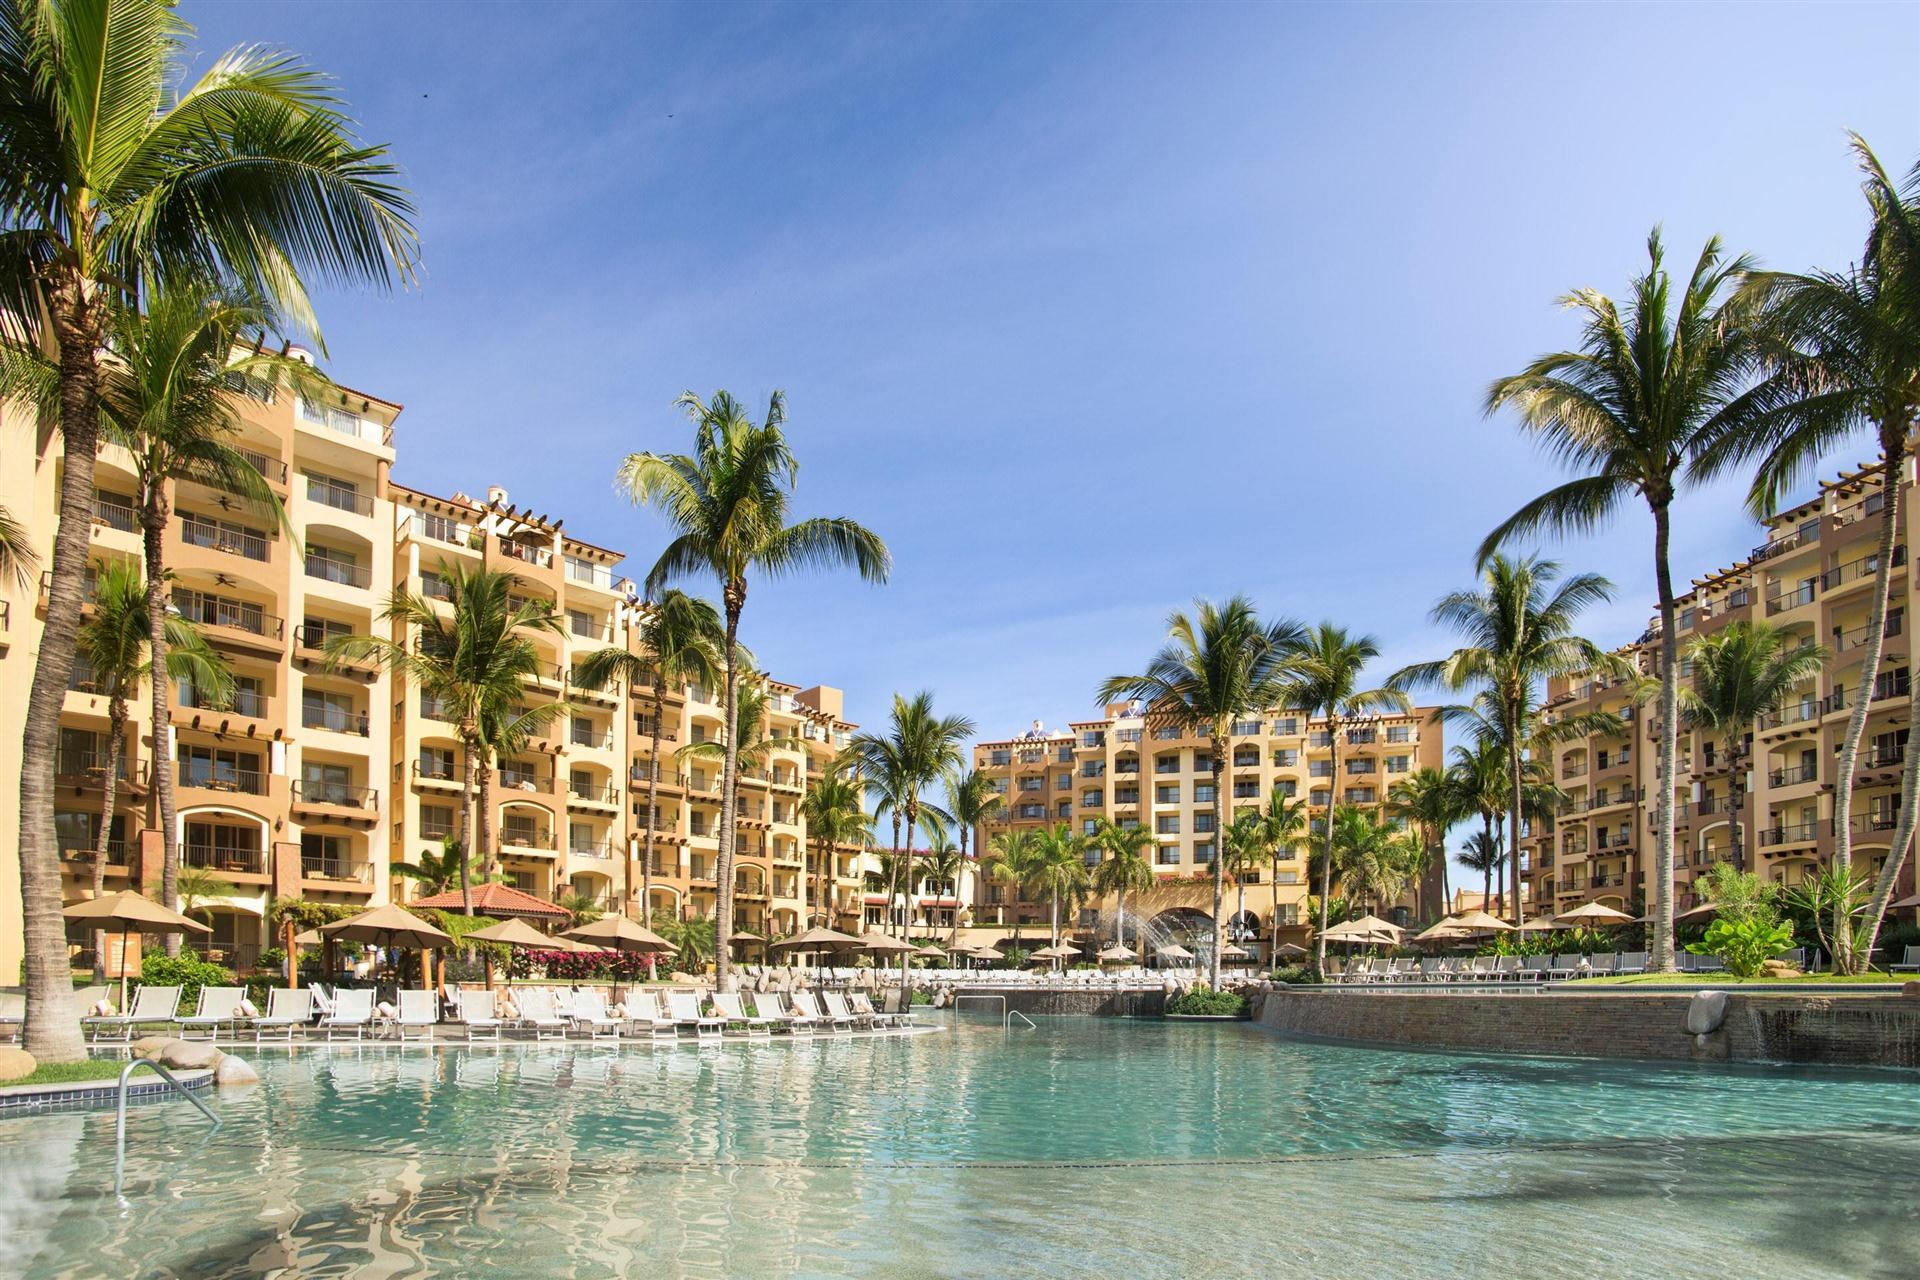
<point x="601" y="851"/>
<point x="594" y="575"/>
<point x="230" y="539"/>
<point x="1863" y="569"/>
<point x="435" y="774"/>
<point x="524" y="780"/>
<point x="526" y="553"/>
<point x="249" y="782"/>
<point x="593" y="793"/>
<point x="1857" y="637"/>
<point x="336" y="795"/>
<point x="333" y="719"/>
<point x="1806" y="533"/>
<point x="1795" y="833"/>
<point x="342" y="572"/>
<point x="204" y="610"/>
<point x="1884" y="757"/>
<point x="115" y="512"/>
<point x="516" y="837"/>
<point x="1794" y="775"/>
<point x="118" y="854"/>
<point x="271" y="469"/>
<point x="1805" y="594"/>
<point x="324" y="417"/>
<point x="343" y="871"/>
<point x="226" y="860"/>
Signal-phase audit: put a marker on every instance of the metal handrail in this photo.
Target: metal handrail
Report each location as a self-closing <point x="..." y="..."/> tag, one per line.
<point x="1007" y="1015"/>
<point x="120" y="1114"/>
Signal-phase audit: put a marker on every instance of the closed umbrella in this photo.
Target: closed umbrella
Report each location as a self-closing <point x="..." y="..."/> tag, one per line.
<point x="127" y="913"/>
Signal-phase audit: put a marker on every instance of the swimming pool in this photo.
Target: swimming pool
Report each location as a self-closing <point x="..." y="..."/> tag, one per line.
<point x="1087" y="1147"/>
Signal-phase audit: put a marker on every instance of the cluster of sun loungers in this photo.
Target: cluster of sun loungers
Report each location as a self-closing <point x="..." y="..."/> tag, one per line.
<point x="543" y="1013"/>
<point x="1510" y="969"/>
<point x="1133" y="976"/>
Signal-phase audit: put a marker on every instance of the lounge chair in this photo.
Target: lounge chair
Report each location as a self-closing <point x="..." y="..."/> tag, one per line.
<point x="352" y="1011"/>
<point x="218" y="1007"/>
<point x="480" y="1015"/>
<point x="1566" y="965"/>
<point x="838" y="1009"/>
<point x="150" y="1005"/>
<point x="1601" y="963"/>
<point x="684" y="1008"/>
<point x="1482" y="969"/>
<point x="1909" y="962"/>
<point x="589" y="1014"/>
<point x="772" y="1006"/>
<point x="1708" y="964"/>
<point x="730" y="1008"/>
<point x="807" y="1003"/>
<point x="646" y="1017"/>
<point x="862" y="1007"/>
<point x="419" y="1011"/>
<point x="537" y="1012"/>
<point x="1631" y="962"/>
<point x="286" y="1010"/>
<point x="1506" y="968"/>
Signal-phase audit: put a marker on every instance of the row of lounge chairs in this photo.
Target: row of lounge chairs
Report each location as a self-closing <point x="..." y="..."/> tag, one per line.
<point x="1495" y="969"/>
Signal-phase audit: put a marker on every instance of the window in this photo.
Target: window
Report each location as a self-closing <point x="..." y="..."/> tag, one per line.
<point x="1167" y="794"/>
<point x="1202" y="763"/>
<point x="433" y="586"/>
<point x="1168" y="855"/>
<point x="1093" y="769"/>
<point x="436" y="820"/>
<point x="1167" y="824"/>
<point x="1319" y="768"/>
<point x="334" y="712"/>
<point x="583" y="733"/>
<point x="1093" y="738"/>
<point x="1087" y="828"/>
<point x="1203" y="853"/>
<point x="1063" y="782"/>
<point x="1286" y="727"/>
<point x="1246" y="728"/>
<point x="1288" y="787"/>
<point x="1033" y="784"/>
<point x="221" y="770"/>
<point x="219" y="846"/>
<point x="1065" y="809"/>
<point x="1366" y="764"/>
<point x="999" y="757"/>
<point x="341" y="495"/>
<point x="1091" y="799"/>
<point x="582" y="623"/>
<point x="327" y="783"/>
<point x="1286" y="759"/>
<point x="1204" y="792"/>
<point x="1399" y="733"/>
<point x="1203" y="824"/>
<point x="437" y="762"/>
<point x="326" y="857"/>
<point x="1064" y="755"/>
<point x="1398" y="764"/>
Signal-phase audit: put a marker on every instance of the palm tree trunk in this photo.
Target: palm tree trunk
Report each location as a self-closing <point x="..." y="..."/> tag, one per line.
<point x="153" y="519"/>
<point x="1222" y="743"/>
<point x="734" y="595"/>
<point x="1513" y="815"/>
<point x="116" y="735"/>
<point x="1274" y="923"/>
<point x="468" y="752"/>
<point x="1844" y="961"/>
<point x="1734" y="793"/>
<point x="1326" y="859"/>
<point x="1661" y="960"/>
<point x="906" y="899"/>
<point x="893" y="877"/>
<point x="653" y="802"/>
<point x="959" y="873"/>
<point x="483" y="769"/>
<point x="52" y="1029"/>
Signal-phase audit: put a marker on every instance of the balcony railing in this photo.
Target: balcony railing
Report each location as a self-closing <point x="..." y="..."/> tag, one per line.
<point x="523" y="780"/>
<point x="343" y="795"/>
<point x="206" y="610"/>
<point x="1794" y="833"/>
<point x="116" y="512"/>
<point x="589" y="849"/>
<point x="1806" y="593"/>
<point x="526" y="838"/>
<point x="344" y="572"/>
<point x="317" y="635"/>
<point x="196" y="532"/>
<point x="432" y="771"/>
<point x="597" y="575"/>
<point x="328" y="418"/>
<point x="594" y="793"/>
<point x="333" y="719"/>
<point x="1855" y="570"/>
<point x="1794" y="774"/>
<point x="1866" y="508"/>
<point x="526" y="553"/>
<point x="242" y="781"/>
<point x="272" y="470"/>
<point x="1884" y="757"/>
<point x="1788" y="540"/>
<point x="218" y="858"/>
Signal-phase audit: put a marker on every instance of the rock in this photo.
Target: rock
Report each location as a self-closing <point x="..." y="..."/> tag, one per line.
<point x="1705" y="1012"/>
<point x="1780" y="969"/>
<point x="234" y="1071"/>
<point x="187" y="1055"/>
<point x="1911" y="990"/>
<point x="15" y="1064"/>
<point x="145" y="1046"/>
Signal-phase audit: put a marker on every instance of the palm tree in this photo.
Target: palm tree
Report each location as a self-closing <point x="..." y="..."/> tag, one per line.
<point x="17" y="556"/>
<point x="1324" y="685"/>
<point x="436" y="872"/>
<point x="727" y="502"/>
<point x="1059" y="870"/>
<point x="918" y="750"/>
<point x="471" y="663"/>
<point x="749" y="740"/>
<point x="1478" y="773"/>
<point x="113" y="644"/>
<point x="1644" y="393"/>
<point x="1124" y="869"/>
<point x="1484" y="853"/>
<point x="506" y="730"/>
<point x="581" y="907"/>
<point x="1217" y="665"/>
<point x="834" y="816"/>
<point x="942" y="866"/>
<point x="1015" y="859"/>
<point x="114" y="179"/>
<point x="1283" y="833"/>
<point x="1740" y="674"/>
<point x="1518" y="632"/>
<point x="198" y="888"/>
<point x="1841" y="351"/>
<point x="1243" y="847"/>
<point x="681" y="638"/>
<point x="1374" y="858"/>
<point x="971" y="799"/>
<point x="1428" y="799"/>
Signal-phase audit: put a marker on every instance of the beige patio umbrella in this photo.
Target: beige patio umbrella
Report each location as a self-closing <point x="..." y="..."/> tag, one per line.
<point x="1538" y="925"/>
<point x="1174" y="951"/>
<point x="389" y="927"/>
<point x="1062" y="951"/>
<point x="127" y="913"/>
<point x="1914" y="901"/>
<point x="880" y="944"/>
<point x="617" y="933"/>
<point x="1115" y="954"/>
<point x="1446" y="929"/>
<point x="818" y="939"/>
<point x="931" y="953"/>
<point x="1291" y="949"/>
<point x="1593" y="913"/>
<point x="1700" y="912"/>
<point x="1481" y="922"/>
<point x="1367" y="924"/>
<point x="516" y="932"/>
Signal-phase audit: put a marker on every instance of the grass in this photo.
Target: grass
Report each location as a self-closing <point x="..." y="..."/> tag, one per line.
<point x="1721" y="979"/>
<point x="69" y="1072"/>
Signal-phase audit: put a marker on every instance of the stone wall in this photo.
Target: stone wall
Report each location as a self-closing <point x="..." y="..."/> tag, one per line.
<point x="1852" y="1030"/>
<point x="1040" y="1001"/>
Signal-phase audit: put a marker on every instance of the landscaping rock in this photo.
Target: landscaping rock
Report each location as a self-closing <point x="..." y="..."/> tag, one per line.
<point x="1911" y="990"/>
<point x="1780" y="969"/>
<point x="187" y="1055"/>
<point x="15" y="1064"/>
<point x="1705" y="1012"/>
<point x="234" y="1071"/>
<point x="145" y="1046"/>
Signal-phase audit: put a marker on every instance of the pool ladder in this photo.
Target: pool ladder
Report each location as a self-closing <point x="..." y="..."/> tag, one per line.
<point x="1007" y="1015"/>
<point x="120" y="1115"/>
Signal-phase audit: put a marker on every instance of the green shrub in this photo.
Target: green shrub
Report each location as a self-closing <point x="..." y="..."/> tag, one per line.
<point x="272" y="960"/>
<point x="922" y="997"/>
<point x="1295" y="975"/>
<point x="1744" y="945"/>
<point x="186" y="971"/>
<point x="257" y="990"/>
<point x="1204" y="1001"/>
<point x="1015" y="958"/>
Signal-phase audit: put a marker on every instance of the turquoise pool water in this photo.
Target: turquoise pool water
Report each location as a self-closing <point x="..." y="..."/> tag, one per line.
<point x="1084" y="1148"/>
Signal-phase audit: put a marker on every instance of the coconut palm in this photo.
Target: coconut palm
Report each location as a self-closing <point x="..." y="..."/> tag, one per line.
<point x="1643" y="394"/>
<point x="750" y="741"/>
<point x="436" y="872"/>
<point x="1841" y="353"/>
<point x="1741" y="673"/>
<point x="17" y="556"/>
<point x="1283" y="833"/>
<point x="941" y="866"/>
<point x="581" y="907"/>
<point x="116" y="178"/>
<point x="1373" y="858"/>
<point x="1324" y="684"/>
<point x="971" y="800"/>
<point x="1518" y="632"/>
<point x="835" y="815"/>
<point x="1059" y="870"/>
<point x="1123" y="868"/>
<point x="1484" y="853"/>
<point x="680" y="638"/>
<point x="471" y="662"/>
<point x="1428" y="799"/>
<point x="727" y="502"/>
<point x="113" y="644"/>
<point x="1243" y="848"/>
<point x="918" y="750"/>
<point x="198" y="889"/>
<point x="1218" y="664"/>
<point x="1014" y="858"/>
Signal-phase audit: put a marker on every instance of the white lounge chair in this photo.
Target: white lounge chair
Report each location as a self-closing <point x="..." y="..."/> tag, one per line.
<point x="1909" y="962"/>
<point x="218" y="1007"/>
<point x="537" y="1012"/>
<point x="684" y="1008"/>
<point x="646" y="1017"/>
<point x="1631" y="962"/>
<point x="419" y="1011"/>
<point x="772" y="1006"/>
<point x="730" y="1007"/>
<point x="150" y="1005"/>
<point x="286" y="1010"/>
<point x="840" y="1011"/>
<point x="480" y="1014"/>
<point x="862" y="1007"/>
<point x="806" y="1002"/>
<point x="352" y="1011"/>
<point x="589" y="1014"/>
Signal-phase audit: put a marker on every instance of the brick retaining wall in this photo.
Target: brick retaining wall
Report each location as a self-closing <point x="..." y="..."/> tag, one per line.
<point x="1851" y="1030"/>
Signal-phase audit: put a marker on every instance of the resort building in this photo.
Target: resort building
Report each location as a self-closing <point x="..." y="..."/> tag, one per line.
<point x="1119" y="769"/>
<point x="314" y="776"/>
<point x="1813" y="578"/>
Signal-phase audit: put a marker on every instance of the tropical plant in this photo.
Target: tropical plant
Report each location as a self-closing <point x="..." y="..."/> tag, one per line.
<point x="1834" y="900"/>
<point x="1204" y="1001"/>
<point x="835" y="815"/>
<point x="1243" y="848"/>
<point x="750" y="740"/>
<point x="1218" y="664"/>
<point x="1740" y="674"/>
<point x="1123" y="869"/>
<point x="694" y="939"/>
<point x="1324" y="684"/>
<point x="1429" y="800"/>
<point x="1841" y="355"/>
<point x="581" y="907"/>
<point x="113" y="644"/>
<point x="187" y="971"/>
<point x="680" y="637"/>
<point x="196" y="889"/>
<point x="1484" y="853"/>
<point x="1518" y="632"/>
<point x="1373" y="859"/>
<point x="727" y="502"/>
<point x="941" y="868"/>
<point x="116" y="179"/>
<point x="1014" y="859"/>
<point x="1739" y="894"/>
<point x="438" y="872"/>
<point x="971" y="800"/>
<point x="471" y="662"/>
<point x="918" y="750"/>
<point x="1643" y="394"/>
<point x="1744" y="946"/>
<point x="1059" y="871"/>
<point x="1284" y="827"/>
<point x="18" y="559"/>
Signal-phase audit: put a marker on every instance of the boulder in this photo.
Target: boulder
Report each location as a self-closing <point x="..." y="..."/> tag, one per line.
<point x="187" y="1055"/>
<point x="1705" y="1012"/>
<point x="15" y="1064"/>
<point x="1780" y="969"/>
<point x="146" y="1046"/>
<point x="1911" y="990"/>
<point x="234" y="1071"/>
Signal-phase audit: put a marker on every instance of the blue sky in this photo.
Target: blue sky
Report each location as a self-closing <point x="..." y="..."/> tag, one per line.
<point x="1088" y="310"/>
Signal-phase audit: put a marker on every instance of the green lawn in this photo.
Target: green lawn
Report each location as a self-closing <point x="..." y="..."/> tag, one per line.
<point x="1721" y="979"/>
<point x="70" y="1072"/>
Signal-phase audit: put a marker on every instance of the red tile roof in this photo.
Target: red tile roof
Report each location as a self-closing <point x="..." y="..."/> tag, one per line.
<point x="496" y="899"/>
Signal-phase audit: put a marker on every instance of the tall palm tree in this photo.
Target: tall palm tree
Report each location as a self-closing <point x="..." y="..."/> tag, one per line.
<point x="942" y="866"/>
<point x="471" y="662"/>
<point x="971" y="799"/>
<point x="1218" y="664"/>
<point x="113" y="644"/>
<point x="1484" y="853"/>
<point x="835" y="815"/>
<point x="18" y="559"/>
<point x="918" y="750"/>
<point x="1741" y="673"/>
<point x="680" y="636"/>
<point x="750" y="740"/>
<point x="1123" y="869"/>
<point x="1324" y="685"/>
<point x="116" y="178"/>
<point x="1060" y="870"/>
<point x="1478" y="774"/>
<point x="1430" y="801"/>
<point x="1374" y="858"/>
<point x="1015" y="859"/>
<point x="1841" y="353"/>
<point x="1517" y="632"/>
<point x="1283" y="833"/>
<point x="727" y="502"/>
<point x="1243" y="847"/>
<point x="1643" y="394"/>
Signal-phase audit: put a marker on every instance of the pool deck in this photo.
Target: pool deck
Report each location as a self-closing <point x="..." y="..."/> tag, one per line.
<point x="79" y="1094"/>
